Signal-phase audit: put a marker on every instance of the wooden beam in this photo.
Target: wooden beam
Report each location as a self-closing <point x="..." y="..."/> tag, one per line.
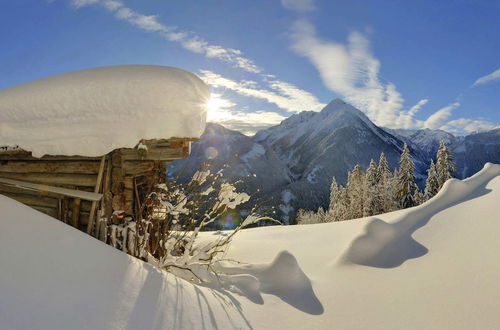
<point x="30" y="200"/>
<point x="97" y="188"/>
<point x="137" y="167"/>
<point x="83" y="180"/>
<point x="75" y="216"/>
<point x="54" y="190"/>
<point x="39" y="166"/>
<point x="153" y="154"/>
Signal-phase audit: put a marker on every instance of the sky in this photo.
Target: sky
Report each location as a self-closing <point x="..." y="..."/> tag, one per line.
<point x="406" y="64"/>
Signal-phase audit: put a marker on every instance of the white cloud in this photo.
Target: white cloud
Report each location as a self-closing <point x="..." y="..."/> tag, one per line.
<point x="464" y="125"/>
<point x="492" y="77"/>
<point x="349" y="69"/>
<point x="299" y="5"/>
<point x="221" y="110"/>
<point x="189" y="41"/>
<point x="439" y="118"/>
<point x="352" y="71"/>
<point x="82" y="3"/>
<point x="284" y="95"/>
<point x="406" y="119"/>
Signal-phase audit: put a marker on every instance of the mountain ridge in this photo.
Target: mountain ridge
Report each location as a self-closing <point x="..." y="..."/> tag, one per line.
<point x="295" y="160"/>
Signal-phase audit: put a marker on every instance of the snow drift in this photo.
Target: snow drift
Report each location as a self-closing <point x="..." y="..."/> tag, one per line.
<point x="94" y="111"/>
<point x="435" y="266"/>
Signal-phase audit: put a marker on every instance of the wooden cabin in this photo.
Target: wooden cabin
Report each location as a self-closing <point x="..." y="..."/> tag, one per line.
<point x="78" y="190"/>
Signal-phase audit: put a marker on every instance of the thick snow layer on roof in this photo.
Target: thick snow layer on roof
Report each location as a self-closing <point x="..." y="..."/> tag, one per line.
<point x="94" y="111"/>
<point x="434" y="266"/>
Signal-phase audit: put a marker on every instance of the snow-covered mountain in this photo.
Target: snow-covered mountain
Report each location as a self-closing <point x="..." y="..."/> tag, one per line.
<point x="242" y="156"/>
<point x="471" y="152"/>
<point x="295" y="161"/>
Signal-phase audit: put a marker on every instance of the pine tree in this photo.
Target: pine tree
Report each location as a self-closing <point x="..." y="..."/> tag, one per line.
<point x="444" y="164"/>
<point x="336" y="208"/>
<point x="418" y="196"/>
<point x="342" y="206"/>
<point x="431" y="183"/>
<point x="334" y="192"/>
<point x="355" y="192"/>
<point x="384" y="185"/>
<point x="406" y="180"/>
<point x="371" y="199"/>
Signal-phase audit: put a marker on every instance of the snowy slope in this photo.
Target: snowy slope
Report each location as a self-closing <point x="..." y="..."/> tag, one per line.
<point x="94" y="111"/>
<point x="434" y="266"/>
<point x="53" y="276"/>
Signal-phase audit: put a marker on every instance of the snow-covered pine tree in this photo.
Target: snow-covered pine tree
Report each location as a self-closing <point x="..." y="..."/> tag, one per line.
<point x="418" y="196"/>
<point x="342" y="205"/>
<point x="371" y="199"/>
<point x="444" y="164"/>
<point x="431" y="183"/>
<point x="336" y="208"/>
<point x="355" y="192"/>
<point x="406" y="180"/>
<point x="334" y="192"/>
<point x="384" y="185"/>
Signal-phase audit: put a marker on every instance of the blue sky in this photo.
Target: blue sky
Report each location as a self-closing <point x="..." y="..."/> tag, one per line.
<point x="406" y="64"/>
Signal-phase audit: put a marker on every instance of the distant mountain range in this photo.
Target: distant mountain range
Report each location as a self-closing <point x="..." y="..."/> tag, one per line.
<point x="294" y="162"/>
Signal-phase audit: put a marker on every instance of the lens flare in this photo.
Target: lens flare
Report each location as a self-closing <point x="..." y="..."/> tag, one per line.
<point x="229" y="220"/>
<point x="211" y="153"/>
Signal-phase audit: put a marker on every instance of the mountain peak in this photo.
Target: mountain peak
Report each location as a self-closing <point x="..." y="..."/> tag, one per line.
<point x="338" y="105"/>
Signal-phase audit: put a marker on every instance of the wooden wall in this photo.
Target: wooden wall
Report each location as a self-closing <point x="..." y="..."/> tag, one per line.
<point x="127" y="174"/>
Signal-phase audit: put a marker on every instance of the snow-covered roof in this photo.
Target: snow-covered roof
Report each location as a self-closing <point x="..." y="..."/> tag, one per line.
<point x="94" y="111"/>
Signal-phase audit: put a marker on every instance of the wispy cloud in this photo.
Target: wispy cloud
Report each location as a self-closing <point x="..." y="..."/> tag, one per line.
<point x="284" y="95"/>
<point x="299" y="5"/>
<point x="352" y="71"/>
<point x="492" y="77"/>
<point x="188" y="40"/>
<point x="406" y="119"/>
<point x="439" y="118"/>
<point x="82" y="3"/>
<point x="465" y="125"/>
<point x="223" y="112"/>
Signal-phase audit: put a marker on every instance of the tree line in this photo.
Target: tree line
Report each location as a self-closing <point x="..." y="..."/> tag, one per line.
<point x="378" y="190"/>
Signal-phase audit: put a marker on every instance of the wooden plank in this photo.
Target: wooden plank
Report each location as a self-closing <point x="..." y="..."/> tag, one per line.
<point x="153" y="154"/>
<point x="97" y="189"/>
<point x="117" y="184"/>
<point x="65" y="210"/>
<point x="31" y="200"/>
<point x="84" y="180"/>
<point x="128" y="182"/>
<point x="128" y="194"/>
<point x="54" y="190"/>
<point x="118" y="203"/>
<point x="101" y="225"/>
<point x="39" y="166"/>
<point x="75" y="216"/>
<point x="137" y="167"/>
<point x="42" y="201"/>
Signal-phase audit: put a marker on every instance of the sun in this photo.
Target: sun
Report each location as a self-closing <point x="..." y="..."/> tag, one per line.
<point x="217" y="107"/>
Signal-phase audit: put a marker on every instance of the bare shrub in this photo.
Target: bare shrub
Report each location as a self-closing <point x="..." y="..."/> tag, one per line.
<point x="174" y="214"/>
